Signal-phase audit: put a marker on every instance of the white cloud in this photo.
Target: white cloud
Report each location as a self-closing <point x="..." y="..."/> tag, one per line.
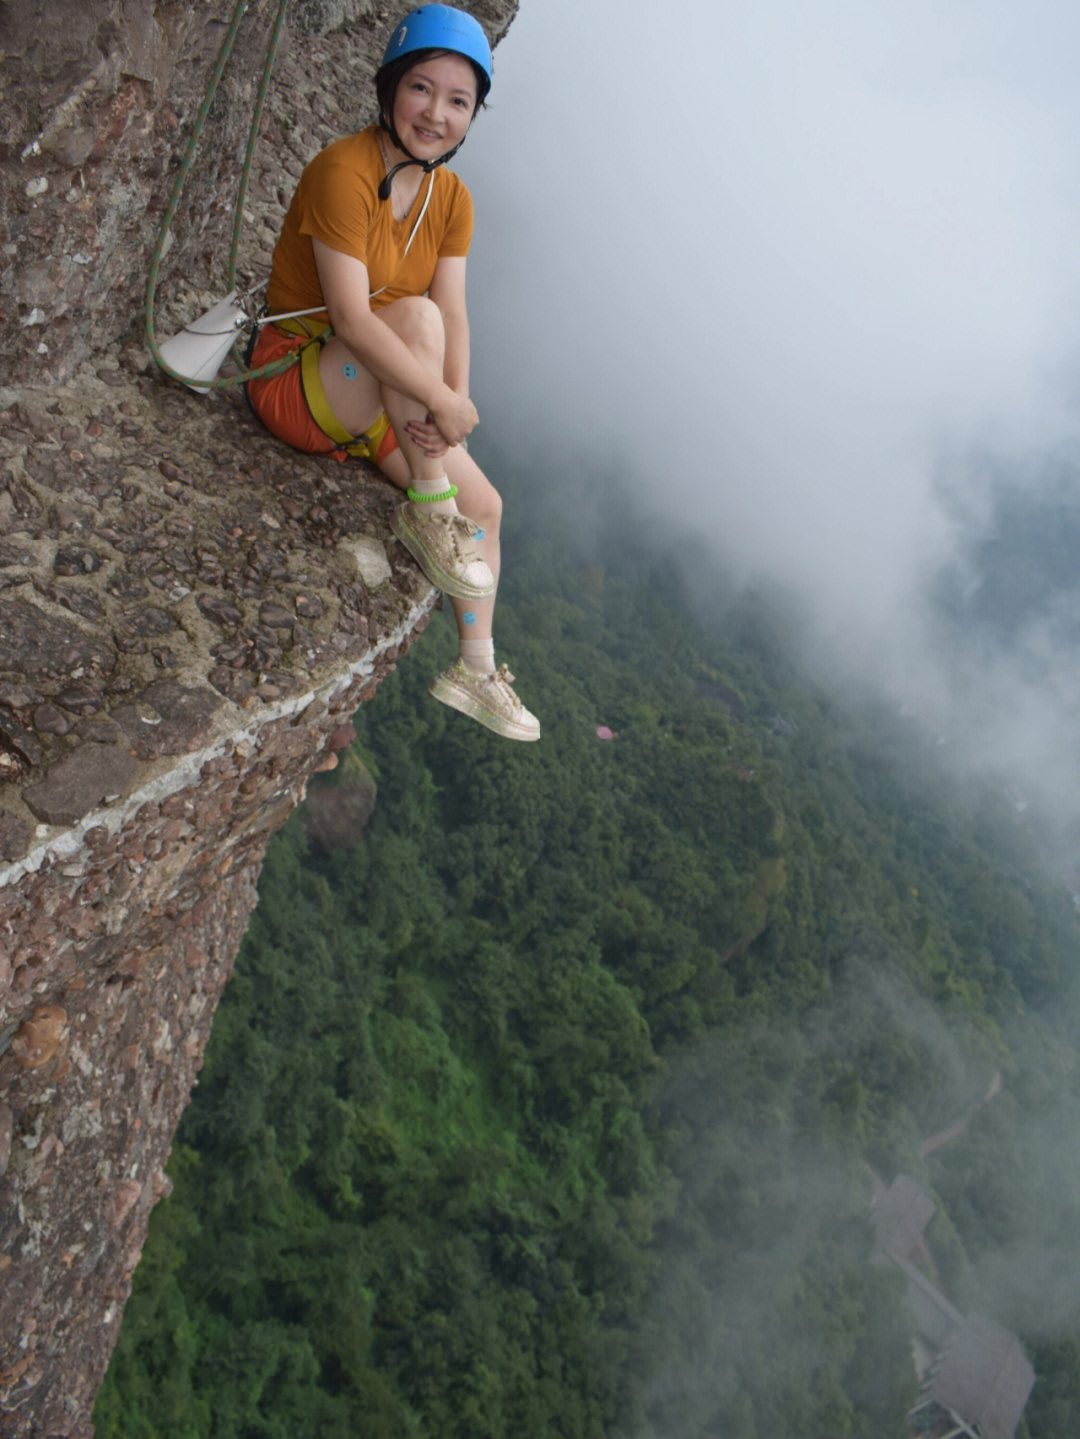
<point x="780" y="255"/>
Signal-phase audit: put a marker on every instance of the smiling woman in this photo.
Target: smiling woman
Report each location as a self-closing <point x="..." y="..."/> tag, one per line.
<point x="374" y="249"/>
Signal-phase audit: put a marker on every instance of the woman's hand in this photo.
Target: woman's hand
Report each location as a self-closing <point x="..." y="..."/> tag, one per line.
<point x="453" y="416"/>
<point x="426" y="436"/>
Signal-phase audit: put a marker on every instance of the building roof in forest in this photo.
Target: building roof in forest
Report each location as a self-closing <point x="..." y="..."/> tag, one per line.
<point x="984" y="1377"/>
<point x="900" y="1216"/>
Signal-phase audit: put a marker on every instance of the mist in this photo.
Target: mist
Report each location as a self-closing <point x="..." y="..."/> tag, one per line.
<point x="805" y="278"/>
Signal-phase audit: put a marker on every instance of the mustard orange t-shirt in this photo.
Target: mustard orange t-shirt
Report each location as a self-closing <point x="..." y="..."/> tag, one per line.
<point x="337" y="202"/>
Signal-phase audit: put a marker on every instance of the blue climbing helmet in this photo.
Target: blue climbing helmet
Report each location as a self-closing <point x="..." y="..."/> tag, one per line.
<point x="439" y="28"/>
<point x="442" y="27"/>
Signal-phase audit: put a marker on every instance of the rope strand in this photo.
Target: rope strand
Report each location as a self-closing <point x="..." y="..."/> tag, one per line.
<point x="277" y="367"/>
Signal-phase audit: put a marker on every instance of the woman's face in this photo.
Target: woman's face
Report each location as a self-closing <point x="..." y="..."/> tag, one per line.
<point x="434" y="104"/>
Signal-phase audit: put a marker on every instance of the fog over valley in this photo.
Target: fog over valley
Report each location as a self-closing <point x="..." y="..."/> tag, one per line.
<point x="806" y="277"/>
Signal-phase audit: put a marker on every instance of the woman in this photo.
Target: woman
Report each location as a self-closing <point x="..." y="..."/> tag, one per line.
<point x="378" y="234"/>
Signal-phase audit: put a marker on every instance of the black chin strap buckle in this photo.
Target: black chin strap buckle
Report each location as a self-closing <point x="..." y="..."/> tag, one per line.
<point x="388" y="179"/>
<point x="425" y="165"/>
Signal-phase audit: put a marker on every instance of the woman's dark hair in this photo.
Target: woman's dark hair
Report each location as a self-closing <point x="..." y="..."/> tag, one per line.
<point x="389" y="76"/>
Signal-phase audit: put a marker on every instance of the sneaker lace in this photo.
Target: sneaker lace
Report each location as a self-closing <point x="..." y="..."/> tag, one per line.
<point x="463" y="532"/>
<point x="504" y="680"/>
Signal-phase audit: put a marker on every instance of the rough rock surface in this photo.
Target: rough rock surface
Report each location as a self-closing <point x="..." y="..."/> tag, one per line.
<point x="189" y="614"/>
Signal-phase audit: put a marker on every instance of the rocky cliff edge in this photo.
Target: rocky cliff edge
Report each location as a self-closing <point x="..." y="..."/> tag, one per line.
<point x="189" y="615"/>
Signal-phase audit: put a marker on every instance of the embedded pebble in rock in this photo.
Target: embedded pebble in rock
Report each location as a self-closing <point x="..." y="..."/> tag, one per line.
<point x="123" y="1200"/>
<point x="72" y="787"/>
<point x="80" y="698"/>
<point x="37" y="1038"/>
<point x="15" y="835"/>
<point x="276" y="617"/>
<point x="343" y="737"/>
<point x="364" y="559"/>
<point x="15" y="695"/>
<point x="49" y="720"/>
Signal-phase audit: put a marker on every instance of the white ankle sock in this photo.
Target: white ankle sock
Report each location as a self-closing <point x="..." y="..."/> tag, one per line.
<point x="478" y="656"/>
<point x="435" y="487"/>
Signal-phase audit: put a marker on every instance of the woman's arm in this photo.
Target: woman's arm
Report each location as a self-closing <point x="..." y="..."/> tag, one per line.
<point x="448" y="292"/>
<point x="344" y="282"/>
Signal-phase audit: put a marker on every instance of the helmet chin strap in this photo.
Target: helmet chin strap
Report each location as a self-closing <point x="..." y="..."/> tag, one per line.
<point x="425" y="165"/>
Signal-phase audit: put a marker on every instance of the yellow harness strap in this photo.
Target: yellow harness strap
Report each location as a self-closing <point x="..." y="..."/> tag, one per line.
<point x="316" y="399"/>
<point x="300" y="325"/>
<point x="365" y="446"/>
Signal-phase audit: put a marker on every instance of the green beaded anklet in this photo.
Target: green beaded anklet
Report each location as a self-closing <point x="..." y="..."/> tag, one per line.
<point x="419" y="499"/>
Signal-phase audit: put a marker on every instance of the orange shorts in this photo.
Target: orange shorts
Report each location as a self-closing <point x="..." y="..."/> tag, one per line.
<point x="282" y="405"/>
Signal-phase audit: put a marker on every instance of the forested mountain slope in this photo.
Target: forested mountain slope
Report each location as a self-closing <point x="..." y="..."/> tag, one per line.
<point x="544" y="1106"/>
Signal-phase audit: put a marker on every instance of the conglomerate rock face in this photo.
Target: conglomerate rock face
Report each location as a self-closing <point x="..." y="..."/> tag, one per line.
<point x="189" y="614"/>
<point x="183" y="645"/>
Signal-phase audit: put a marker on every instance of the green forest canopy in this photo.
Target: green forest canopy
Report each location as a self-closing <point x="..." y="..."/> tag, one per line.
<point x="543" y="1107"/>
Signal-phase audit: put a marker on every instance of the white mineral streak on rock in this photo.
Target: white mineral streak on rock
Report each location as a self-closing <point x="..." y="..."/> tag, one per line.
<point x="183" y="772"/>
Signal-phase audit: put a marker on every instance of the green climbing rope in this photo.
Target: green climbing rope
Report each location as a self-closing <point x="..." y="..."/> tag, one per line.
<point x="278" y="366"/>
<point x="253" y="134"/>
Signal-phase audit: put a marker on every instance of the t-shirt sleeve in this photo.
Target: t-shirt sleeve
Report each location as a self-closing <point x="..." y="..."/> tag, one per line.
<point x="457" y="236"/>
<point x="334" y="208"/>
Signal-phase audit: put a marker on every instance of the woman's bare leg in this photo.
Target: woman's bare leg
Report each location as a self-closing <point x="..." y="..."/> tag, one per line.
<point x="479" y="500"/>
<point x="358" y="399"/>
<point x="473" y="685"/>
<point x="431" y="527"/>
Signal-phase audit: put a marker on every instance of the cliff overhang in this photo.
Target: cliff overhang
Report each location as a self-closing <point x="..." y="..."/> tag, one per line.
<point x="190" y="614"/>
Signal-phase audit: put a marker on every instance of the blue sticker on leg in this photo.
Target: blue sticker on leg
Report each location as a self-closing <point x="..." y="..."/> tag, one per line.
<point x="468" y="618"/>
<point x="349" y="371"/>
<point x="480" y="534"/>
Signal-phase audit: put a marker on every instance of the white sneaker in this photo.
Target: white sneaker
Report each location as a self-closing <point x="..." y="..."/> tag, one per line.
<point x="446" y="549"/>
<point x="487" y="698"/>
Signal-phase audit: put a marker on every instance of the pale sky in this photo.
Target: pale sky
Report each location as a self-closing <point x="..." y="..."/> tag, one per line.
<point x="778" y="255"/>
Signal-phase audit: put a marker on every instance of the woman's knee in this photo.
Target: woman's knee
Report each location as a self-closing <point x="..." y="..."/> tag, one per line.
<point x="418" y="322"/>
<point x="484" y="504"/>
<point x="494" y="506"/>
